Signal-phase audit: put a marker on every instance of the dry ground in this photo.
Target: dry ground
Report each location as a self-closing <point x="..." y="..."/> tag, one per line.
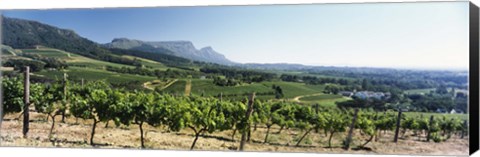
<point x="70" y="134"/>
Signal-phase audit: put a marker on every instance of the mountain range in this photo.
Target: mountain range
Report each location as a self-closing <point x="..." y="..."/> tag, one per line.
<point x="21" y="34"/>
<point x="184" y="49"/>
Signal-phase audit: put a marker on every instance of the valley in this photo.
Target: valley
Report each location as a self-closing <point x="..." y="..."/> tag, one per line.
<point x="171" y="90"/>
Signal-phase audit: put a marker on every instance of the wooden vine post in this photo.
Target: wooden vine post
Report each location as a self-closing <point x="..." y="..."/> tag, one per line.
<point x="188" y="87"/>
<point x="397" y="128"/>
<point x="247" y="122"/>
<point x="316" y="113"/>
<point x="82" y="82"/>
<point x="221" y="96"/>
<point x="26" y="101"/>
<point x="429" y="128"/>
<point x="465" y="125"/>
<point x="350" y="132"/>
<point x="64" y="95"/>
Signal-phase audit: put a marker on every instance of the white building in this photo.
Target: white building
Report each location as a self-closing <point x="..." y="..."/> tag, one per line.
<point x="369" y="94"/>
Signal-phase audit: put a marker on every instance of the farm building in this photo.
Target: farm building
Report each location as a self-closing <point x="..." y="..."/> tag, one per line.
<point x="369" y="94"/>
<point x="346" y="93"/>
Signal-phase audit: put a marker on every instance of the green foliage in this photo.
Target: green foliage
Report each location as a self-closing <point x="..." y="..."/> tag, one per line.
<point x="432" y="102"/>
<point x="335" y="122"/>
<point x="285" y="115"/>
<point x="436" y="137"/>
<point x="246" y="76"/>
<point x="169" y="73"/>
<point x="12" y="95"/>
<point x="120" y="108"/>
<point x="386" y="121"/>
<point x="50" y="62"/>
<point x="52" y="101"/>
<point x="410" y="123"/>
<point x="19" y="64"/>
<point x="366" y="122"/>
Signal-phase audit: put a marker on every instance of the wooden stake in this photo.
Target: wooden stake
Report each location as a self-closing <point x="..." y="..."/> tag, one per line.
<point x="64" y="95"/>
<point x="465" y="125"/>
<point x="350" y="132"/>
<point x="395" y="139"/>
<point x="82" y="82"/>
<point x="26" y="101"/>
<point x="429" y="128"/>
<point x="246" y="121"/>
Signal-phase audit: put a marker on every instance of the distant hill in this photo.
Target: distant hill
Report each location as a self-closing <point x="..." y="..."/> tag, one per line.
<point x="184" y="49"/>
<point x="20" y="34"/>
<point x="24" y="34"/>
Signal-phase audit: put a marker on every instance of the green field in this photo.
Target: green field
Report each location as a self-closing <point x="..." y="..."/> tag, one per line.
<point x="328" y="100"/>
<point x="320" y="97"/>
<point x="209" y="89"/>
<point x="290" y="89"/>
<point x="150" y="63"/>
<point x="436" y="115"/>
<point x="48" y="53"/>
<point x="73" y="59"/>
<point x="293" y="89"/>
<point x="90" y="74"/>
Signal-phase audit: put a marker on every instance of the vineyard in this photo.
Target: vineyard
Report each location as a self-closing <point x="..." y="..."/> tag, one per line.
<point x="248" y="124"/>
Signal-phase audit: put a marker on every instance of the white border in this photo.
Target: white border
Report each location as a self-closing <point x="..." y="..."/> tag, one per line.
<point x="49" y="4"/>
<point x="59" y="4"/>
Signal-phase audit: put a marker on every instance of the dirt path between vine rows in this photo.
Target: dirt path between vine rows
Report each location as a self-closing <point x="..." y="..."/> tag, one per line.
<point x="145" y="85"/>
<point x="297" y="98"/>
<point x="76" y="135"/>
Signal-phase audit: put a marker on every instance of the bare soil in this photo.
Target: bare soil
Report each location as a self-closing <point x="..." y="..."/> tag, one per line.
<point x="76" y="135"/>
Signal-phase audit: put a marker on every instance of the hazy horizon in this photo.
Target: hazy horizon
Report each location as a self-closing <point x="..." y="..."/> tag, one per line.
<point x="431" y="35"/>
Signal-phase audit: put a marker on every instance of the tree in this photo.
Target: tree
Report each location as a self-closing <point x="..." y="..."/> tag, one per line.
<point x="51" y="103"/>
<point x="278" y="91"/>
<point x="205" y="115"/>
<point x="365" y="84"/>
<point x="285" y="116"/>
<point x="304" y="120"/>
<point x="365" y="122"/>
<point x="335" y="122"/>
<point x="409" y="123"/>
<point x="449" y="126"/>
<point x="91" y="102"/>
<point x="234" y="112"/>
<point x="141" y="103"/>
<point x="266" y="113"/>
<point x="332" y="89"/>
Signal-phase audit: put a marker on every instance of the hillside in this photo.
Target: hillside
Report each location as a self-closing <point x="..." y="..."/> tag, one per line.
<point x="26" y="34"/>
<point x="21" y="34"/>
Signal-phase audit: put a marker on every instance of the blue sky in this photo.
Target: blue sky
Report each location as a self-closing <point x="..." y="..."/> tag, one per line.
<point x="401" y="35"/>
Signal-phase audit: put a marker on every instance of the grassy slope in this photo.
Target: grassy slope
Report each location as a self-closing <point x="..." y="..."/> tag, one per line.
<point x="87" y="68"/>
<point x="90" y="74"/>
<point x="323" y="96"/>
<point x="73" y="59"/>
<point x="207" y="87"/>
<point x="324" y="99"/>
<point x="149" y="63"/>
